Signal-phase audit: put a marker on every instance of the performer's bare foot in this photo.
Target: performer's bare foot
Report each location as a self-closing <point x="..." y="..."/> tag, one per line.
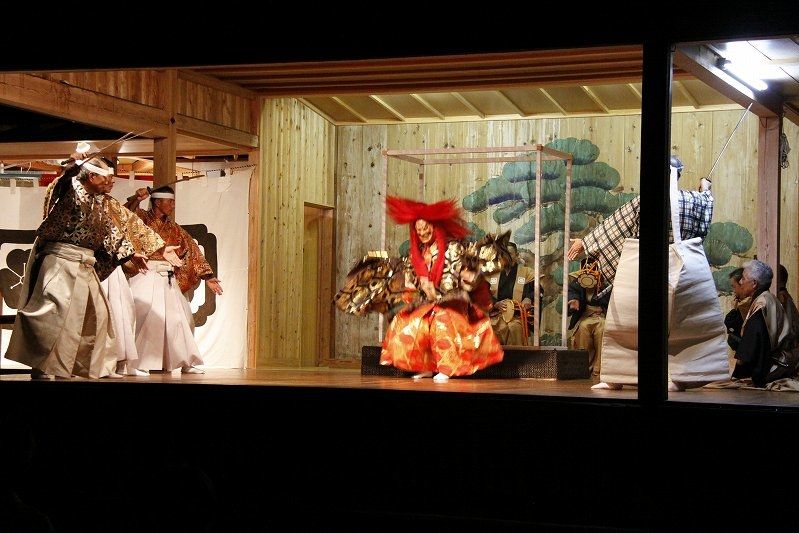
<point x="191" y="370"/>
<point x="441" y="378"/>
<point x="607" y="386"/>
<point x="421" y="375"/>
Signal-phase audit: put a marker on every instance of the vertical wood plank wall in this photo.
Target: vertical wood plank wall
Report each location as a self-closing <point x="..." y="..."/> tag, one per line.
<point x="696" y="137"/>
<point x="297" y="166"/>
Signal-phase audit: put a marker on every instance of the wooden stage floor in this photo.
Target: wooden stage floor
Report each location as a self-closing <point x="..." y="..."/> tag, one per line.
<point x="352" y="379"/>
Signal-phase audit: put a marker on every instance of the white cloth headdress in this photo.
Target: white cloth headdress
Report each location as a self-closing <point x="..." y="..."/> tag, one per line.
<point x="162" y="195"/>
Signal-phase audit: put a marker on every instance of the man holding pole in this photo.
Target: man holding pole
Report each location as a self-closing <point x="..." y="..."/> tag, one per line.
<point x="697" y="346"/>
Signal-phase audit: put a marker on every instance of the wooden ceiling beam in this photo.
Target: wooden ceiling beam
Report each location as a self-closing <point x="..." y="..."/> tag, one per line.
<point x="361" y="75"/>
<point x="349" y="108"/>
<point x="687" y="94"/>
<point x="434" y="84"/>
<point x="504" y="97"/>
<point x="456" y="62"/>
<point x="428" y="106"/>
<point x="596" y="99"/>
<point x="470" y="106"/>
<point x="791" y="113"/>
<point x="387" y="107"/>
<point x="217" y="133"/>
<point x="635" y="90"/>
<point x="132" y="148"/>
<point x="553" y="100"/>
<point x="65" y="101"/>
<point x="318" y="111"/>
<point x="215" y="83"/>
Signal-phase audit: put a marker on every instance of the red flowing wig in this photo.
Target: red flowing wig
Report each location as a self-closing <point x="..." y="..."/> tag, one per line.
<point x="445" y="216"/>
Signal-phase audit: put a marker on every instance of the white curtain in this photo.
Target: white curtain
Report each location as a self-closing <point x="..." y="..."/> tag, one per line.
<point x="220" y="203"/>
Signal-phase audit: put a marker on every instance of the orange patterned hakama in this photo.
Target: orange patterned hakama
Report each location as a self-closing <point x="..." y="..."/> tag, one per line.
<point x="452" y="340"/>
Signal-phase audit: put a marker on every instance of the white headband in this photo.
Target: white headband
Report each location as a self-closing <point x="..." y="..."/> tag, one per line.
<point x="96" y="169"/>
<point x="162" y="195"/>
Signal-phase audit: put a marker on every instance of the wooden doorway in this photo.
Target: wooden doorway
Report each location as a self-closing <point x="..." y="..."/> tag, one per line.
<point x="316" y="343"/>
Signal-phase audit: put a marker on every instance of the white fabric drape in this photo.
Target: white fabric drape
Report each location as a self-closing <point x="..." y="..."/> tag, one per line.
<point x="221" y="203"/>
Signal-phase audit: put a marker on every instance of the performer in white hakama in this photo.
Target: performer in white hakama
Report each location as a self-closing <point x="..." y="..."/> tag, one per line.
<point x="164" y="323"/>
<point x="697" y="341"/>
<point x="63" y="327"/>
<point x="123" y="317"/>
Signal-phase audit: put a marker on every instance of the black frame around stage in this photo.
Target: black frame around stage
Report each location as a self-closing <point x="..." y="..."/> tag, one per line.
<point x="286" y="458"/>
<point x="389" y="460"/>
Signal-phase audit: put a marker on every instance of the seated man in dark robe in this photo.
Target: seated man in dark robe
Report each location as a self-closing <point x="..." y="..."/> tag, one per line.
<point x="587" y="311"/>
<point x="741" y="304"/>
<point x="767" y="349"/>
<point x="512" y="291"/>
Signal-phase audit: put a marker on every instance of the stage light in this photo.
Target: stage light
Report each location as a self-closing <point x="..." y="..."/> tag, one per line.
<point x="743" y="72"/>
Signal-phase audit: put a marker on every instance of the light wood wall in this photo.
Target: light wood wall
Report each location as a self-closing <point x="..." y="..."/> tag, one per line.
<point x="696" y="137"/>
<point x="297" y="162"/>
<point x="360" y="167"/>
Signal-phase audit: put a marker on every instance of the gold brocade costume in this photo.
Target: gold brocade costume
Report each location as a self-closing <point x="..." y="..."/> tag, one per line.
<point x="195" y="267"/>
<point x="97" y="222"/>
<point x="450" y="336"/>
<point x="62" y="325"/>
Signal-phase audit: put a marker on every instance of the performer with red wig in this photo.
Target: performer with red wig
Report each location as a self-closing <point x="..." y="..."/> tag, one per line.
<point x="442" y="327"/>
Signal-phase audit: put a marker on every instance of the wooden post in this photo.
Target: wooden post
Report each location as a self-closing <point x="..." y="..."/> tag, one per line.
<point x="383" y="192"/>
<point x="254" y="244"/>
<point x="421" y="183"/>
<point x="768" y="198"/>
<point x="564" y="318"/>
<point x="164" y="148"/>
<point x="537" y="288"/>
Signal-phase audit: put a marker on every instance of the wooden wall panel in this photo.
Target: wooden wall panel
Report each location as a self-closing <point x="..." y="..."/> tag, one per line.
<point x="359" y="176"/>
<point x="696" y="137"/>
<point x="297" y="162"/>
<point x="445" y="181"/>
<point x="789" y="221"/>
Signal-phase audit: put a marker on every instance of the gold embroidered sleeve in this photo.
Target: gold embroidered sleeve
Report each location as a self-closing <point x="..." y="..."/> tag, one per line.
<point x="450" y="277"/>
<point x="142" y="238"/>
<point x="195" y="266"/>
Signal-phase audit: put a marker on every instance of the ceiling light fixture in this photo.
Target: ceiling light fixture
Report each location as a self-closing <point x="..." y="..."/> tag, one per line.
<point x="743" y="72"/>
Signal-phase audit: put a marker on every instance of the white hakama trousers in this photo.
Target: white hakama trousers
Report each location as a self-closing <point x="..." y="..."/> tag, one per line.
<point x="123" y="316"/>
<point x="62" y="326"/>
<point x="697" y="338"/>
<point x="164" y="324"/>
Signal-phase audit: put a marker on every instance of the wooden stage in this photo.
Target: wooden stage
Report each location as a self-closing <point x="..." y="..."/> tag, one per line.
<point x="324" y="378"/>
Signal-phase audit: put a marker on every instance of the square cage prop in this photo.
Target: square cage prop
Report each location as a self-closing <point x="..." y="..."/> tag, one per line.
<point x="532" y="153"/>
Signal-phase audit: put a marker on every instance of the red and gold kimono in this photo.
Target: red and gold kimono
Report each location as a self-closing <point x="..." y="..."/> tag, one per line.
<point x="451" y="335"/>
<point x="195" y="267"/>
<point x="442" y="326"/>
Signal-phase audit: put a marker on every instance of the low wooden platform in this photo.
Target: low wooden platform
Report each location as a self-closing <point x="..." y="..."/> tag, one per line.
<point x="542" y="362"/>
<point x="325" y="378"/>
